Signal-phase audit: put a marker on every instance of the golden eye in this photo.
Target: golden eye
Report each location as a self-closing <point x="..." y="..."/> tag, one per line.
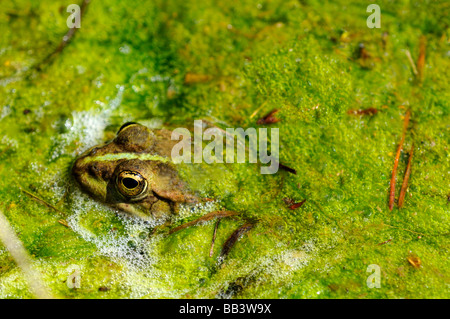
<point x="131" y="184"/>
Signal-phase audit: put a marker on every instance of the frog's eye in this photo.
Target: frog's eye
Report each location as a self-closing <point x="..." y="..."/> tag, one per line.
<point x="131" y="184"/>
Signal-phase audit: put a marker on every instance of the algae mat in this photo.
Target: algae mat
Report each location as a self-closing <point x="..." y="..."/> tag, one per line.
<point x="342" y="91"/>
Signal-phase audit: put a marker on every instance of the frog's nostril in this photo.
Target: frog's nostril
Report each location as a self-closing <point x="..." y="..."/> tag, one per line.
<point x="94" y="170"/>
<point x="93" y="151"/>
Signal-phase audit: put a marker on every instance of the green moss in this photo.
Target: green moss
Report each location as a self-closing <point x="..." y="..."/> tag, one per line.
<point x="132" y="61"/>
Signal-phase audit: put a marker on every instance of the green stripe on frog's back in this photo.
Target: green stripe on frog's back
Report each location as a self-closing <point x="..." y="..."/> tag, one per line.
<point x="128" y="156"/>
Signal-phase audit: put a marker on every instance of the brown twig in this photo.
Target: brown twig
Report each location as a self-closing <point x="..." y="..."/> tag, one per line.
<point x="421" y="58"/>
<point x="287" y="168"/>
<point x="192" y="78"/>
<point x="40" y="200"/>
<point x="411" y="231"/>
<point x="397" y="157"/>
<point x="269" y="118"/>
<point x="214" y="238"/>
<point x="368" y="111"/>
<point x="385" y="242"/>
<point x="207" y="217"/>
<point x="63" y="222"/>
<point x="401" y="197"/>
<point x="297" y="205"/>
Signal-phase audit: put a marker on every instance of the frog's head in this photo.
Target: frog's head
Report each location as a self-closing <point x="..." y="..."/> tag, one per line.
<point x="133" y="173"/>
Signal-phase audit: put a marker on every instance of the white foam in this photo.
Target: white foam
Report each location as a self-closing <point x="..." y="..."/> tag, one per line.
<point x="86" y="127"/>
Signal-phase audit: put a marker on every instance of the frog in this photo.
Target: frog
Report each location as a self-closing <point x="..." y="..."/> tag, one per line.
<point x="134" y="173"/>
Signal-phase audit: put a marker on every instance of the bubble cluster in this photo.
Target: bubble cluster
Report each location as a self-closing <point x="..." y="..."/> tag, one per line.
<point x="86" y="127"/>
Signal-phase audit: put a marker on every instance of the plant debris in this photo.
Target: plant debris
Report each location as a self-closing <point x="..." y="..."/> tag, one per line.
<point x="297" y="205"/>
<point x="414" y="261"/>
<point x="421" y="58"/>
<point x="207" y="217"/>
<point x="192" y="78"/>
<point x="401" y="197"/>
<point x="385" y="242"/>
<point x="411" y="62"/>
<point x="269" y="118"/>
<point x="231" y="241"/>
<point x="287" y="168"/>
<point x="211" y="251"/>
<point x="397" y="157"/>
<point x="40" y="200"/>
<point x="63" y="222"/>
<point x="368" y="111"/>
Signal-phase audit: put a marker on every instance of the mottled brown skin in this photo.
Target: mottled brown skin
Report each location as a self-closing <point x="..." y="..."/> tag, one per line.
<point x="97" y="173"/>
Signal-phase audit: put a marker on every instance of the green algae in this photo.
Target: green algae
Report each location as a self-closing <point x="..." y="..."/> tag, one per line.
<point x="132" y="62"/>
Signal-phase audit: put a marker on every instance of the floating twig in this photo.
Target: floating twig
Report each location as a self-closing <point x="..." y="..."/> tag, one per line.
<point x="269" y="118"/>
<point x="234" y="238"/>
<point x="401" y="197"/>
<point x="257" y="110"/>
<point x="414" y="261"/>
<point x="192" y="78"/>
<point x="297" y="205"/>
<point x="287" y="168"/>
<point x="40" y="200"/>
<point x="421" y="58"/>
<point x="411" y="231"/>
<point x="411" y="62"/>
<point x="368" y="111"/>
<point x="397" y="157"/>
<point x="385" y="242"/>
<point x="207" y="217"/>
<point x="214" y="238"/>
<point x="63" y="222"/>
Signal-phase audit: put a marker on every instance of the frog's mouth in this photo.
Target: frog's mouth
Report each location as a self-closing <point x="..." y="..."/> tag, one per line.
<point x="148" y="209"/>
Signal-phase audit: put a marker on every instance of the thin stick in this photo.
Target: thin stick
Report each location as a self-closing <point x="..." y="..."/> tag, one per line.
<point x="421" y="58"/>
<point x="401" y="197"/>
<point x="207" y="217"/>
<point x="413" y="66"/>
<point x="40" y="200"/>
<point x="63" y="222"/>
<point x="404" y="229"/>
<point x="257" y="110"/>
<point x="397" y="156"/>
<point x="214" y="238"/>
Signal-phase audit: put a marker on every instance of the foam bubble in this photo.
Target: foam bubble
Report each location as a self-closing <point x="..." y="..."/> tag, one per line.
<point x="86" y="127"/>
